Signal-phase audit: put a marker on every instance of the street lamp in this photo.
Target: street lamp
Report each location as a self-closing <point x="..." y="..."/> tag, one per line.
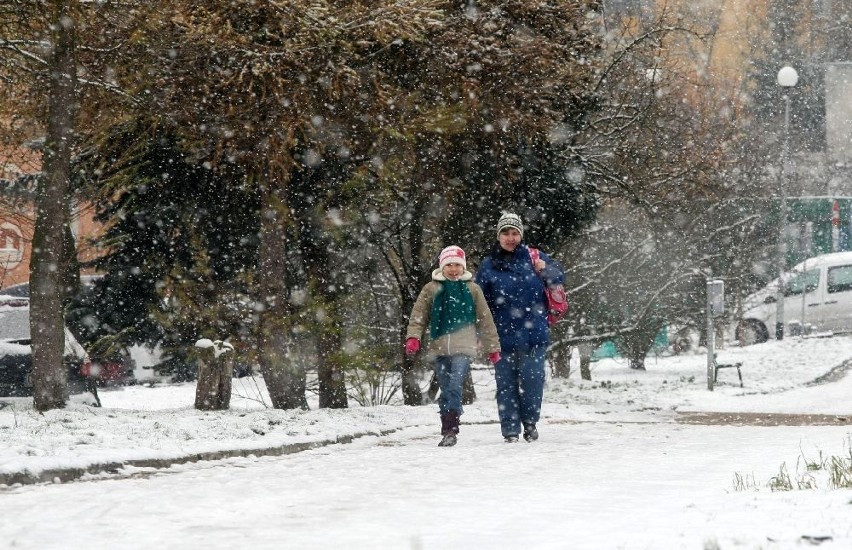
<point x="787" y="78"/>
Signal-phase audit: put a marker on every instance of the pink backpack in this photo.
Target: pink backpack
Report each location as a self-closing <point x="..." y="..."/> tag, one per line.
<point x="557" y="300"/>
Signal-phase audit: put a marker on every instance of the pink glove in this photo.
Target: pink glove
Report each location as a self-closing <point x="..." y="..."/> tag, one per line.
<point x="494" y="356"/>
<point x="412" y="346"/>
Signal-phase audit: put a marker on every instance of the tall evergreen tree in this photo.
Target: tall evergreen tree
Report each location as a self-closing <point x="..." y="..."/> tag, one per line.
<point x="179" y="248"/>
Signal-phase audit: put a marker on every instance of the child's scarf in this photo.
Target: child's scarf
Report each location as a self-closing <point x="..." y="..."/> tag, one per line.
<point x="452" y="309"/>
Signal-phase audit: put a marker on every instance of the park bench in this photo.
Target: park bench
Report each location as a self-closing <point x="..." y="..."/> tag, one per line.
<point x="718" y="366"/>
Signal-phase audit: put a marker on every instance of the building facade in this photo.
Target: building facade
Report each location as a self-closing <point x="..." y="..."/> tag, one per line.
<point x="18" y="168"/>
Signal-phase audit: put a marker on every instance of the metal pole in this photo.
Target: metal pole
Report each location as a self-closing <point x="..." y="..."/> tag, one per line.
<point x="782" y="244"/>
<point x="711" y="338"/>
<point x="804" y="293"/>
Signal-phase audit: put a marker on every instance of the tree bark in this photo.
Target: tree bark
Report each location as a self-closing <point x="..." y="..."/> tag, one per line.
<point x="409" y="289"/>
<point x="285" y="380"/>
<point x="330" y="369"/>
<point x="317" y="261"/>
<point x="561" y="361"/>
<point x="586" y="361"/>
<point x="560" y="355"/>
<point x="215" y="377"/>
<point x="70" y="272"/>
<point x="468" y="390"/>
<point x="411" y="392"/>
<point x="50" y="383"/>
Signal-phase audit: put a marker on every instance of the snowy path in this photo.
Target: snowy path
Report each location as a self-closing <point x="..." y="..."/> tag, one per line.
<point x="590" y="486"/>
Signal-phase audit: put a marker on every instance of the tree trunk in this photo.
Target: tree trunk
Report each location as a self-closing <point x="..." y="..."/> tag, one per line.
<point x="468" y="390"/>
<point x="411" y="392"/>
<point x="636" y="345"/>
<point x="586" y="361"/>
<point x="330" y="370"/>
<point x="409" y="289"/>
<point x="330" y="358"/>
<point x="50" y="383"/>
<point x="70" y="272"/>
<point x="637" y="362"/>
<point x="561" y="361"/>
<point x="285" y="380"/>
<point x="559" y="354"/>
<point x="215" y="377"/>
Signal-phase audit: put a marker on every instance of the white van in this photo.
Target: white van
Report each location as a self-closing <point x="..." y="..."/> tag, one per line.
<point x="826" y="304"/>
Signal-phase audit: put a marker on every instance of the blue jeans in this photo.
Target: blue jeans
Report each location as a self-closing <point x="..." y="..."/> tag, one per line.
<point x="520" y="385"/>
<point x="451" y="370"/>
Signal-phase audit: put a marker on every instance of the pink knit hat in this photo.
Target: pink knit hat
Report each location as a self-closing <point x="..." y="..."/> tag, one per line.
<point x="452" y="255"/>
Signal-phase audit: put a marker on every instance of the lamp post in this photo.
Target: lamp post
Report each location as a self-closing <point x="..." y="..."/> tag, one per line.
<point x="787" y="78"/>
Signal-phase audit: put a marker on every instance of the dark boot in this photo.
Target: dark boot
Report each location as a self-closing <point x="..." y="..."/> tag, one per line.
<point x="452" y="423"/>
<point x="448" y="440"/>
<point x="449" y="429"/>
<point x="530" y="432"/>
<point x="444" y="429"/>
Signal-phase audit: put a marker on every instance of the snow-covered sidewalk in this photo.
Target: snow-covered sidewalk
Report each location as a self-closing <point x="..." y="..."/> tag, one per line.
<point x="157" y="426"/>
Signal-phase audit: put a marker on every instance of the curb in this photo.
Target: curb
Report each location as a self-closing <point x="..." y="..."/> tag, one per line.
<point x="63" y="475"/>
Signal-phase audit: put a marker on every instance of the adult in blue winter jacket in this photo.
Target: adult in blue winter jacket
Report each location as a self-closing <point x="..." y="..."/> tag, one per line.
<point x="514" y="291"/>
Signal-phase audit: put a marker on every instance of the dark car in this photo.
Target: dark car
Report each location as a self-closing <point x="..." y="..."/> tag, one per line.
<point x="16" y="353"/>
<point x="20" y="290"/>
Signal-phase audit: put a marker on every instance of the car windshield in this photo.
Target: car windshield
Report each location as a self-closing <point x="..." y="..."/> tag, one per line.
<point x="14" y="323"/>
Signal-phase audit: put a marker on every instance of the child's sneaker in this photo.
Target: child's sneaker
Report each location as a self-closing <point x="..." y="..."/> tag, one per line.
<point x="448" y="441"/>
<point x="511" y="439"/>
<point x="530" y="433"/>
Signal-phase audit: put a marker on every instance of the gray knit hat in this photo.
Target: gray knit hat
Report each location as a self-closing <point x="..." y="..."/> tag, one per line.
<point x="510" y="220"/>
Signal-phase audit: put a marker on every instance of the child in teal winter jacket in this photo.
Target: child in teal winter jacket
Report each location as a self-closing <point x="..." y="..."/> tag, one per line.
<point x="452" y="311"/>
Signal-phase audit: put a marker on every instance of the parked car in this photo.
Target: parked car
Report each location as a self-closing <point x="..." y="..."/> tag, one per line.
<point x="115" y="369"/>
<point x="22" y="290"/>
<point x="16" y="353"/>
<point x="817" y="297"/>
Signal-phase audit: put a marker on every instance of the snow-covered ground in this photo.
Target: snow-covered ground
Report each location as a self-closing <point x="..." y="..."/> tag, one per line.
<point x="624" y="461"/>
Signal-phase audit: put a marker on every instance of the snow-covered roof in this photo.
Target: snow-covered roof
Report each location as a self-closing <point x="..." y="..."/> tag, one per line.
<point x="825" y="259"/>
